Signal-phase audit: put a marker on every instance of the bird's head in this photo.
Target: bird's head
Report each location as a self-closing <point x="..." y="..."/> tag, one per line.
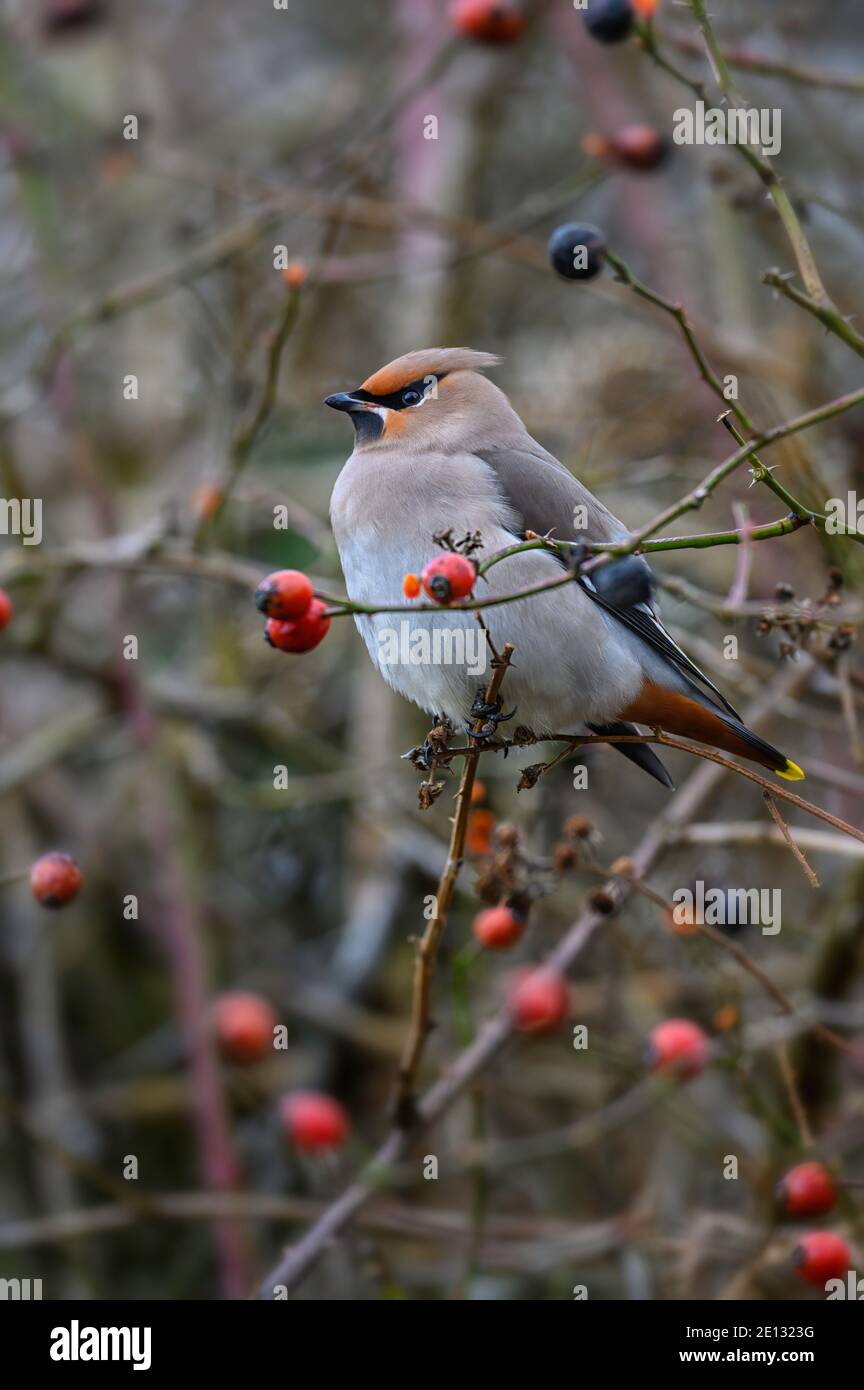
<point x="433" y="399"/>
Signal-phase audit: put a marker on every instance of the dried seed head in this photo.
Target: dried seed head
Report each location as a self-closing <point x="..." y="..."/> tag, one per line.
<point x="506" y="835"/>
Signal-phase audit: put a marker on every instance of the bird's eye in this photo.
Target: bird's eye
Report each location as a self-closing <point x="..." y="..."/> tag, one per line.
<point x="411" y="397"/>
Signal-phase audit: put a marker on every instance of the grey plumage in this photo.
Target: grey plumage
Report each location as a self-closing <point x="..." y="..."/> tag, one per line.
<point x="450" y="453"/>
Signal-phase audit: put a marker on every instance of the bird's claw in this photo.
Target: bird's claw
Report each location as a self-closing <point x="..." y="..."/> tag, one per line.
<point x="490" y="714"/>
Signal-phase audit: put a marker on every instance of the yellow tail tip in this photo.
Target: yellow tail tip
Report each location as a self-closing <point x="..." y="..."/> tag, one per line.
<point x="791" y="772"/>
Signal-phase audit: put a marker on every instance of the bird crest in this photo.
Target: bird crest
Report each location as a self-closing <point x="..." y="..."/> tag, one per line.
<point x="426" y="362"/>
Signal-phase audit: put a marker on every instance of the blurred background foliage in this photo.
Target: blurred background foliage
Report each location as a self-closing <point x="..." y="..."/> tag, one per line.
<point x="304" y="128"/>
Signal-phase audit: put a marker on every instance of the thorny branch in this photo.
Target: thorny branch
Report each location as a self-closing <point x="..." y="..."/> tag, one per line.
<point x="427" y="947"/>
<point x="495" y="1034"/>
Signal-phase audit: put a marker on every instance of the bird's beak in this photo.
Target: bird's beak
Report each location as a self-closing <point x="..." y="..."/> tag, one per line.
<point x="343" y="400"/>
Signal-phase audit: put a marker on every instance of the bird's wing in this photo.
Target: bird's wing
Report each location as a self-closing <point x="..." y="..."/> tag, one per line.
<point x="641" y="619"/>
<point x="543" y="494"/>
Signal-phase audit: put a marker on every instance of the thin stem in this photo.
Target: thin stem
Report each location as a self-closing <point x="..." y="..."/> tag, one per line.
<point x="427" y="947"/>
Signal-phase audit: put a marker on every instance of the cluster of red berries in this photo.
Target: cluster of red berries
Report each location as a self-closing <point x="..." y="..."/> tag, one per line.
<point x="809" y="1190"/>
<point x="296" y="620"/>
<point x="243" y="1026"/>
<point x="446" y="578"/>
<point x="680" y="1049"/>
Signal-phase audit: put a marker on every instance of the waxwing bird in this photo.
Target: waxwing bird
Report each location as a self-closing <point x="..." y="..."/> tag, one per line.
<point x="438" y="447"/>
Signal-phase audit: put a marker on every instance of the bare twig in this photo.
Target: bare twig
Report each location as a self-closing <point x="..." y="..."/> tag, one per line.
<point x="427" y="946"/>
<point x="297" y="1261"/>
<point x="787" y="836"/>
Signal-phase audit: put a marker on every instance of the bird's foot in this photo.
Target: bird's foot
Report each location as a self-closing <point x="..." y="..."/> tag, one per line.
<point x="434" y="747"/>
<point x="490" y="716"/>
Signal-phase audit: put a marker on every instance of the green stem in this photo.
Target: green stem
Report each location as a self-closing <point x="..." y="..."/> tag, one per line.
<point x="825" y="312"/>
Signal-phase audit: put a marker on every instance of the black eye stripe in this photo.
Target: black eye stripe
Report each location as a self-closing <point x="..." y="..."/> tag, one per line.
<point x="394" y="400"/>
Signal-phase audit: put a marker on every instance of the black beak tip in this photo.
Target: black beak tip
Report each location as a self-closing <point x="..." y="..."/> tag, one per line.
<point x="342" y="400"/>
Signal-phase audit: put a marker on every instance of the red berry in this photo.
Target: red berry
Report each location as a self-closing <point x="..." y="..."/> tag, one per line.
<point x="639" y="146"/>
<point x="314" y="1121"/>
<point x="243" y="1024"/>
<point x="678" y="1047"/>
<point x="55" y="879"/>
<point x="498" y="927"/>
<point x="301" y="635"/>
<point x="6" y="609"/>
<point x="286" y="594"/>
<point x="807" y="1190"/>
<point x="448" y="577"/>
<point x="821" y="1256"/>
<point x="490" y="21"/>
<point x="538" y="1000"/>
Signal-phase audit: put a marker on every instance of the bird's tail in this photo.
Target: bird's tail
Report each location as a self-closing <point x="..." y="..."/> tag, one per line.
<point x="693" y="716"/>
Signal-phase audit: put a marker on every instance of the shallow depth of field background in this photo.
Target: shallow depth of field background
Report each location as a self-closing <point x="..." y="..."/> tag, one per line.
<point x="157" y="774"/>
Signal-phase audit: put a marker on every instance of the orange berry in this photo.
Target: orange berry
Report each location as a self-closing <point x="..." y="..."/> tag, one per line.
<point x="411" y="585"/>
<point x="498" y="927"/>
<point x="645" y="8"/>
<point x="55" y="879"/>
<point x="726" y="1018"/>
<point x="294" y="274"/>
<point x="243" y="1024"/>
<point x="285" y="594"/>
<point x="478" y="793"/>
<point x="479" y="831"/>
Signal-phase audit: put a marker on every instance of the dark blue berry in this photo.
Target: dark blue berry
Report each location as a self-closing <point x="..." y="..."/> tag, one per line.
<point x="623" y="583"/>
<point x="576" y="251"/>
<point x="609" y="21"/>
